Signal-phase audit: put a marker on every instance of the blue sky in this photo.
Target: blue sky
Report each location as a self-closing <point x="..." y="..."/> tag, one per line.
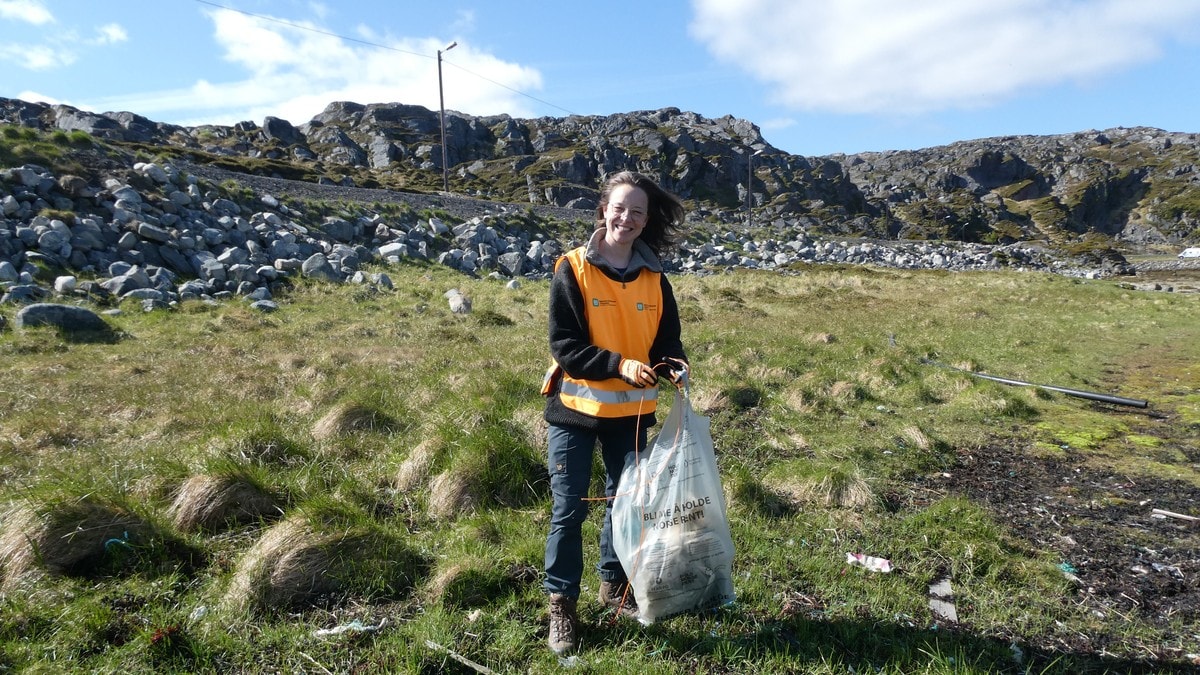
<point x="817" y="76"/>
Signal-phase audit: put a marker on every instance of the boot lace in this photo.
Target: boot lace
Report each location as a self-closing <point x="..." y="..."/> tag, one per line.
<point x="562" y="623"/>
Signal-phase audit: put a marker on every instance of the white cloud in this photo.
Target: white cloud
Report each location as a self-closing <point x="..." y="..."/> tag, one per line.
<point x="57" y="48"/>
<point x="109" y="34"/>
<point x="36" y="57"/>
<point x="294" y="73"/>
<point x="29" y="11"/>
<point x="33" y="96"/>
<point x="778" y="123"/>
<point x="872" y="56"/>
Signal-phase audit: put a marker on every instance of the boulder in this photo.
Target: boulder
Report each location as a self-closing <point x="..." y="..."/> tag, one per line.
<point x="317" y="266"/>
<point x="66" y="318"/>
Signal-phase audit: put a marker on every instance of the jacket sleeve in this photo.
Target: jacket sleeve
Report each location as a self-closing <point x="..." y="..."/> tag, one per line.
<point x="668" y="342"/>
<point x="570" y="341"/>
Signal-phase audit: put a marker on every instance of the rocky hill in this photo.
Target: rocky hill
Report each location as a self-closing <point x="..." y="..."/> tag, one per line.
<point x="1136" y="186"/>
<point x="162" y="213"/>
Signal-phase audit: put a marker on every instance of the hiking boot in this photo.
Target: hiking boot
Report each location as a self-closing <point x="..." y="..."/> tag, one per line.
<point x="617" y="596"/>
<point x="564" y="625"/>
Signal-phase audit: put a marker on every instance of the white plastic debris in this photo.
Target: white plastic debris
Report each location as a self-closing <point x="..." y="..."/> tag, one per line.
<point x="870" y="562"/>
<point x="941" y="600"/>
<point x="355" y="626"/>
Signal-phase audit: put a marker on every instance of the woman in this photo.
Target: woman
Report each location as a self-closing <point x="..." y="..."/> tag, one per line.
<point x="613" y="320"/>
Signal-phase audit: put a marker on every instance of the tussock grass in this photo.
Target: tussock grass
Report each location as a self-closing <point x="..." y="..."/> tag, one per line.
<point x="451" y="493"/>
<point x="808" y="484"/>
<point x="414" y="471"/>
<point x="261" y="440"/>
<point x="473" y="582"/>
<point x="320" y="554"/>
<point x="362" y="456"/>
<point x="68" y="537"/>
<point x="211" y="502"/>
<point x="349" y="417"/>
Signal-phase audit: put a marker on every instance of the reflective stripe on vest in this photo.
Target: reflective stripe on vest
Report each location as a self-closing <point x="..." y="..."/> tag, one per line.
<point x="580" y="389"/>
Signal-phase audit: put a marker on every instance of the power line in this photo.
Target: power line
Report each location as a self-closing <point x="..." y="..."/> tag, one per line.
<point x="505" y="86"/>
<point x="379" y="46"/>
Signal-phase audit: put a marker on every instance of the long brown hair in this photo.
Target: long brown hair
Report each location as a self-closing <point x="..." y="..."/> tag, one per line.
<point x="664" y="211"/>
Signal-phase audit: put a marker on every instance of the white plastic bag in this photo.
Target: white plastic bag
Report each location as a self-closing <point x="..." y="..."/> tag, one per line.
<point x="670" y="528"/>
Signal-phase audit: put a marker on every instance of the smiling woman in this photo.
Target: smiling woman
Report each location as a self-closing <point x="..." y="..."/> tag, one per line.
<point x="612" y="316"/>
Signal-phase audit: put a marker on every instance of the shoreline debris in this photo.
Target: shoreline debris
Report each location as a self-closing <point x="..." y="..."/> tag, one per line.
<point x="460" y="658"/>
<point x="941" y="600"/>
<point x="1172" y="514"/>
<point x="870" y="562"/>
<point x="1078" y="393"/>
<point x="355" y="626"/>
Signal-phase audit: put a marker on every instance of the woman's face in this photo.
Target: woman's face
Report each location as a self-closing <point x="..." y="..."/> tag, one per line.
<point x="625" y="214"/>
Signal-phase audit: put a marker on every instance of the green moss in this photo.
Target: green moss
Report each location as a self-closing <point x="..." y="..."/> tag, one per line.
<point x="1007" y="191"/>
<point x="1047" y="212"/>
<point x="1144" y="441"/>
<point x="1046" y="450"/>
<point x="67" y="217"/>
<point x="1092" y="244"/>
<point x="1189" y="409"/>
<point x="1077" y="438"/>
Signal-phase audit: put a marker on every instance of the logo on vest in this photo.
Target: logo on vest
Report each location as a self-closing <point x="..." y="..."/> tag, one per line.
<point x="597" y="302"/>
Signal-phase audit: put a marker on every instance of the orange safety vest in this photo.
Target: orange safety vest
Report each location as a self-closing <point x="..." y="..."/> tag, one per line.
<point x="622" y="317"/>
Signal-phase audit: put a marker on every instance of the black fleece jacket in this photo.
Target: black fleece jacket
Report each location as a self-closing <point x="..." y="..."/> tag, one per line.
<point x="570" y="344"/>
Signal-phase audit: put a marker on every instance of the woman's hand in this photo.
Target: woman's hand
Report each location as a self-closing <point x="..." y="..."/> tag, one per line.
<point x="637" y="373"/>
<point x="678" y="371"/>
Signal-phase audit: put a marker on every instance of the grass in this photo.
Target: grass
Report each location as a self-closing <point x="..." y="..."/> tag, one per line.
<point x="401" y="448"/>
<point x="55" y="150"/>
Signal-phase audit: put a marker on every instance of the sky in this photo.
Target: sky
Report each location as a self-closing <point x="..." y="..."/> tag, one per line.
<point x="818" y="77"/>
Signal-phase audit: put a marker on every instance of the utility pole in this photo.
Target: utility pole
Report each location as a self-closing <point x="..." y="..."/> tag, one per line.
<point x="442" y="103"/>
<point x="749" y="186"/>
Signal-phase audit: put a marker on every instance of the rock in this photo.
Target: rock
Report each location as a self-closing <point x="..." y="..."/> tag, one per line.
<point x="393" y="249"/>
<point x="339" y="229"/>
<point x="66" y="318"/>
<point x="153" y="171"/>
<point x="317" y="266"/>
<point x="153" y="232"/>
<point x="144" y="294"/>
<point x="65" y="285"/>
<point x="152" y="304"/>
<point x="512" y="264"/>
<point x="383" y="281"/>
<point x="132" y="280"/>
<point x="23" y="294"/>
<point x="211" y="269"/>
<point x="8" y="273"/>
<point x="281" y="130"/>
<point x="459" y="303"/>
<point x="260" y="293"/>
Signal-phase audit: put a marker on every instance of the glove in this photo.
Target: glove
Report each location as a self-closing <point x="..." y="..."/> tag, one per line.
<point x="679" y="375"/>
<point x="637" y="373"/>
<point x="678" y="370"/>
